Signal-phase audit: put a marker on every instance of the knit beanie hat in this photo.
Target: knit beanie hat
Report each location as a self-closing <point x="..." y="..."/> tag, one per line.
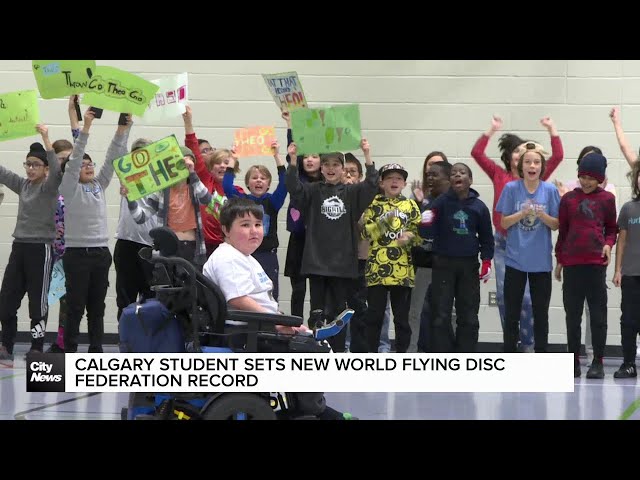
<point x="36" y="150"/>
<point x="593" y="165"/>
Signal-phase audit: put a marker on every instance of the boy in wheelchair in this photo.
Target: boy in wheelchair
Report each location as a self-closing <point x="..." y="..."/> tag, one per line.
<point x="232" y="277"/>
<point x="247" y="287"/>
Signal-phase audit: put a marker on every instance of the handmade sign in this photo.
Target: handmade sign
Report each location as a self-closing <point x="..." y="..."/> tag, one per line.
<point x="119" y="91"/>
<point x="286" y="90"/>
<point x="324" y="130"/>
<point x="170" y="100"/>
<point x="152" y="168"/>
<point x="57" y="288"/>
<point x="19" y="114"/>
<point x="254" y="141"/>
<point x="63" y="78"/>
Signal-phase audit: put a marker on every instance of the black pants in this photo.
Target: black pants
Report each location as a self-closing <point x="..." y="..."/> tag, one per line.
<point x="133" y="274"/>
<point x="86" y="271"/>
<point x="330" y="294"/>
<point x="358" y="302"/>
<point x="580" y="282"/>
<point x="540" y="286"/>
<point x="455" y="278"/>
<point x="298" y="293"/>
<point x="292" y="266"/>
<point x="630" y="318"/>
<point x="28" y="271"/>
<point x="377" y="304"/>
<point x="269" y="263"/>
<point x="425" y="322"/>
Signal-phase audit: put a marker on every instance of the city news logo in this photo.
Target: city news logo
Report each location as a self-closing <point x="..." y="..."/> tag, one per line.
<point x="45" y="372"/>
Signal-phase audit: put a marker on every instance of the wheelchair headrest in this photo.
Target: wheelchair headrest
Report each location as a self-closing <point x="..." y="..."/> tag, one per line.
<point x="165" y="241"/>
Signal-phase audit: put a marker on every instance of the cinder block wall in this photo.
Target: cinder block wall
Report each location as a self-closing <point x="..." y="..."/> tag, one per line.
<point x="408" y="108"/>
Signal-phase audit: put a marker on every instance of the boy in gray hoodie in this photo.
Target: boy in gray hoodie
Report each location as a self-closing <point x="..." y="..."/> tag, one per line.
<point x="30" y="262"/>
<point x="87" y="258"/>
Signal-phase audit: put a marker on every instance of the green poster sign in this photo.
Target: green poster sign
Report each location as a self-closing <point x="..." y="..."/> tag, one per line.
<point x="19" y="114"/>
<point x="152" y="168"/>
<point x="63" y="78"/>
<point x="119" y="91"/>
<point x="324" y="130"/>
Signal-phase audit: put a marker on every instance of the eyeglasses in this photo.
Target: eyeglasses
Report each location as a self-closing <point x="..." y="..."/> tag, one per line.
<point x="353" y="173"/>
<point x="207" y="150"/>
<point x="88" y="165"/>
<point x="35" y="166"/>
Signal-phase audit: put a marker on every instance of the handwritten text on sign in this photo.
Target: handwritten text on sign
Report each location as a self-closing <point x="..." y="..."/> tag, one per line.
<point x="119" y="91"/>
<point x="152" y="168"/>
<point x="254" y="141"/>
<point x="62" y="78"/>
<point x="286" y="90"/>
<point x="19" y="114"/>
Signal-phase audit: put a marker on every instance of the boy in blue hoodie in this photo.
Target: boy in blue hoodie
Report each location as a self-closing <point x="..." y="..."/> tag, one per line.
<point x="462" y="229"/>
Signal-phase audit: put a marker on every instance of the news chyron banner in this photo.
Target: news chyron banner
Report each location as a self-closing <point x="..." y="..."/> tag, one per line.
<point x="300" y="372"/>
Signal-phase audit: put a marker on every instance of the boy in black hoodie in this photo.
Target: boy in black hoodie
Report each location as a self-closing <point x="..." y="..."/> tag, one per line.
<point x="331" y="211"/>
<point x="462" y="229"/>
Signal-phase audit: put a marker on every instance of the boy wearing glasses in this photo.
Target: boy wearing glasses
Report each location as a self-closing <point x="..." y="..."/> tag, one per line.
<point x="29" y="266"/>
<point x="87" y="258"/>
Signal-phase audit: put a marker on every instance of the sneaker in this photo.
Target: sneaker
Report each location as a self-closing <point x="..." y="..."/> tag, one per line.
<point x="596" y="370"/>
<point x="6" y="358"/>
<point x="95" y="350"/>
<point x="626" y="370"/>
<point x="576" y="370"/>
<point x="54" y="348"/>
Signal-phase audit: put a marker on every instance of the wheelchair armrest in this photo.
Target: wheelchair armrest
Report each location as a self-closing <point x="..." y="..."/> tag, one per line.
<point x="268" y="318"/>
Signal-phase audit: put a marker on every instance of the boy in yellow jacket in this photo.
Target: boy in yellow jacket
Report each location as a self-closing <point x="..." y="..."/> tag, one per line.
<point x="391" y="226"/>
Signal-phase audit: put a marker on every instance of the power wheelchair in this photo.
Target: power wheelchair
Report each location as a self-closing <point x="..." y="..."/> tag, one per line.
<point x="207" y="326"/>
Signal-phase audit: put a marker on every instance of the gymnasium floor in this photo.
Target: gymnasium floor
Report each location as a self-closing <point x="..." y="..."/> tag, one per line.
<point x="592" y="400"/>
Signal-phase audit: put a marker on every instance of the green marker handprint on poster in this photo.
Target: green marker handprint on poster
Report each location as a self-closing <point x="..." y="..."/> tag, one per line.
<point x="324" y="130"/>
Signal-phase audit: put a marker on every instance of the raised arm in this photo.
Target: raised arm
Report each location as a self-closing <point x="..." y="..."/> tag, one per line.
<point x="300" y="192"/>
<point x="191" y="142"/>
<point x="557" y="152"/>
<point x="478" y="151"/>
<point x="280" y="193"/>
<point x="116" y="147"/>
<point x="629" y="153"/>
<point x="71" y="175"/>
<point x="199" y="190"/>
<point x="55" y="174"/>
<point x="74" y="121"/>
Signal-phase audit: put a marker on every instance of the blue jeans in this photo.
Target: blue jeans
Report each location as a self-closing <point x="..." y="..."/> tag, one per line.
<point x="526" y="314"/>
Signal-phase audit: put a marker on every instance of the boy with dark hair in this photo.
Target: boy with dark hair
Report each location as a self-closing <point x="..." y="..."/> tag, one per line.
<point x="462" y="230"/>
<point x="587" y="233"/>
<point x="437" y="183"/>
<point x="87" y="258"/>
<point x="246" y="286"/>
<point x="331" y="210"/>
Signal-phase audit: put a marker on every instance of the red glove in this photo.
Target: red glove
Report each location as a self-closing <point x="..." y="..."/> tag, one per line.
<point x="485" y="271"/>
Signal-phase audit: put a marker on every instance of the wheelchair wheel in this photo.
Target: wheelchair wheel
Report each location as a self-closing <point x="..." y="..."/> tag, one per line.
<point x="240" y="406"/>
<point x="139" y="404"/>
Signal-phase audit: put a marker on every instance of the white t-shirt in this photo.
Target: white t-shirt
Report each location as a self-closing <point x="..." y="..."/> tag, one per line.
<point x="240" y="275"/>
